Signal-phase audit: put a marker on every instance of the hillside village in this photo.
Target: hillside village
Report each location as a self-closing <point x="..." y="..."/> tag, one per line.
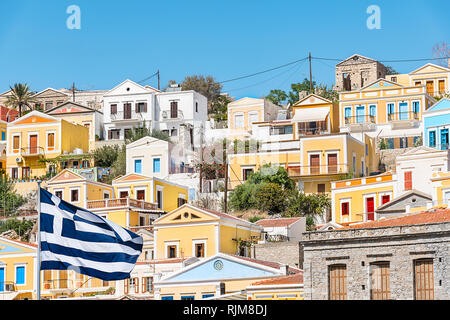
<point x="325" y="198"/>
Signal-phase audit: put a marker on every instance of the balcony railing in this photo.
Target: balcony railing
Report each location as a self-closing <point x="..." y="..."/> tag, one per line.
<point x="296" y="171"/>
<point x="403" y="116"/>
<point x="121" y="202"/>
<point x="167" y="115"/>
<point x="57" y="284"/>
<point x="32" y="151"/>
<point x="312" y="128"/>
<point x="122" y="115"/>
<point x="359" y="119"/>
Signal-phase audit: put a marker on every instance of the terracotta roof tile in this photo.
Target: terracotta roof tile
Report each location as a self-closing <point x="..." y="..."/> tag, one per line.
<point x="424" y="217"/>
<point x="271" y="264"/>
<point x="280" y="222"/>
<point x="291" y="279"/>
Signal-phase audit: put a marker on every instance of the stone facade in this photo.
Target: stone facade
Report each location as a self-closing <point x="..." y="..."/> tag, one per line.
<point x="358" y="248"/>
<point x="285" y="252"/>
<point x="356" y="72"/>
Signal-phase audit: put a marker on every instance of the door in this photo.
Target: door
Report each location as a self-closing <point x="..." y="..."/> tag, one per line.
<point x="403" y="111"/>
<point x="380" y="288"/>
<point x="423" y="279"/>
<point x="33" y="144"/>
<point x="332" y="163"/>
<point x="370" y="208"/>
<point x="408" y="180"/>
<point x="314" y="162"/>
<point x="127" y="111"/>
<point x="2" y="279"/>
<point x="140" y="195"/>
<point x="25" y="172"/>
<point x="63" y="279"/>
<point x="441" y="86"/>
<point x="444" y="139"/>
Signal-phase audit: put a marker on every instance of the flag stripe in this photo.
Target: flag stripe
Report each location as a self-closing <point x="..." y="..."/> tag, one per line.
<point x="94" y="256"/>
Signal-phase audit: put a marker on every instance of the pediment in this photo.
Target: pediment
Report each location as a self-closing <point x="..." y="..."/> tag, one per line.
<point x="34" y="117"/>
<point x="128" y="87"/>
<point x="356" y="59"/>
<point x="131" y="177"/>
<point x="382" y="84"/>
<point x="186" y="214"/>
<point x="65" y="176"/>
<point x="430" y="68"/>
<point x="69" y="107"/>
<point x="10" y="246"/>
<point x="312" y="99"/>
<point x="50" y="93"/>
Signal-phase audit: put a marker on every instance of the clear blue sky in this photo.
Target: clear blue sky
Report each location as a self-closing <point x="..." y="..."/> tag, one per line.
<point x="225" y="39"/>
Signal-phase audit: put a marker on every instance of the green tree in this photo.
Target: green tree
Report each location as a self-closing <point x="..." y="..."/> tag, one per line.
<point x="105" y="156"/>
<point x="296" y="88"/>
<point x="137" y="133"/>
<point x="277" y="96"/>
<point x="21" y="227"/>
<point x="243" y="197"/>
<point x="271" y="197"/>
<point x="20" y="97"/>
<point x="206" y="86"/>
<point x="272" y="174"/>
<point x="219" y="108"/>
<point x="309" y="206"/>
<point x="9" y="199"/>
<point x="391" y="70"/>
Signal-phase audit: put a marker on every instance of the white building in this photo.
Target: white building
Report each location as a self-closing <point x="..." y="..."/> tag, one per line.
<point x="280" y="229"/>
<point x="181" y="114"/>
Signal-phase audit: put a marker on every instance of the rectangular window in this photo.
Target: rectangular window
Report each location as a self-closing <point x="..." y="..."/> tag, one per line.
<point x="370" y="208"/>
<point x="59" y="194"/>
<point x="156" y="165"/>
<point x="380" y="280"/>
<point x="167" y="298"/>
<point x="385" y="199"/>
<point x="345" y="208"/>
<point x="140" y="195"/>
<point x="373" y="112"/>
<point x="159" y="199"/>
<point x="123" y="194"/>
<point x="14" y="173"/>
<point x="390" y="111"/>
<point x="239" y="121"/>
<point x="360" y="116"/>
<point x="403" y="142"/>
<point x="390" y="142"/>
<point x="172" y="251"/>
<point x="423" y="279"/>
<point x="253" y="117"/>
<point x="354" y="164"/>
<point x="20" y="275"/>
<point x="74" y="195"/>
<point x="127" y="110"/>
<point x="321" y="188"/>
<point x="174" y="109"/>
<point x="181" y="201"/>
<point x="314" y="162"/>
<point x="141" y="107"/>
<point x="337" y="282"/>
<point x="187" y="297"/>
<point x="16" y="142"/>
<point x="332" y="163"/>
<point x="147" y="284"/>
<point x="432" y="139"/>
<point x="348" y="115"/>
<point x="113" y="108"/>
<point x="441" y="86"/>
<point x="204" y="296"/>
<point x="50" y="140"/>
<point x="114" y="134"/>
<point x="25" y="172"/>
<point x="138" y="166"/>
<point x="200" y="250"/>
<point x="246" y="174"/>
<point x="3" y="135"/>
<point x="416" y="109"/>
<point x="408" y="180"/>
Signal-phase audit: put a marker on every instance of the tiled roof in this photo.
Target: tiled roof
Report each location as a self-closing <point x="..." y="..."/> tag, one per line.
<point x="225" y="215"/>
<point x="424" y="217"/>
<point x="291" y="279"/>
<point x="173" y="260"/>
<point x="271" y="264"/>
<point x="281" y="222"/>
<point x="21" y="242"/>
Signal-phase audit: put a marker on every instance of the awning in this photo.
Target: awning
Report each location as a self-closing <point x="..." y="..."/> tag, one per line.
<point x="311" y="114"/>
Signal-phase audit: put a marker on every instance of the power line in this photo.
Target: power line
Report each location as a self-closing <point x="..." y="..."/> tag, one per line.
<point x="399" y="60"/>
<point x="268" y="70"/>
<point x="148" y="78"/>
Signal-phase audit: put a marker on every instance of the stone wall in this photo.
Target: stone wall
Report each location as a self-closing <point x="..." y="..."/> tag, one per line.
<point x="287" y="252"/>
<point x="361" y="71"/>
<point x="358" y="248"/>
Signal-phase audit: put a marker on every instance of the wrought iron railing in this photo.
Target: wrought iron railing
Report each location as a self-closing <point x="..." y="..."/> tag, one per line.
<point x="359" y="119"/>
<point x="7" y="286"/>
<point x="32" y="151"/>
<point x="407" y="115"/>
<point x="294" y="171"/>
<point x="121" y="202"/>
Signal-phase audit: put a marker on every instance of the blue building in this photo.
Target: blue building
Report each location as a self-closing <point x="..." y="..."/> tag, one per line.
<point x="436" y="125"/>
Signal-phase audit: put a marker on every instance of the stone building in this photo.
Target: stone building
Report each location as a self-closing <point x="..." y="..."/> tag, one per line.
<point x="356" y="72"/>
<point x="401" y="258"/>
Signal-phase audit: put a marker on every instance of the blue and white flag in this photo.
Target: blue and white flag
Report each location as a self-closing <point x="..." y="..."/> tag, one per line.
<point x="74" y="238"/>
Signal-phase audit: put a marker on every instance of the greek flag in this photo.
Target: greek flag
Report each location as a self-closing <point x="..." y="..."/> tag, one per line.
<point x="74" y="238"/>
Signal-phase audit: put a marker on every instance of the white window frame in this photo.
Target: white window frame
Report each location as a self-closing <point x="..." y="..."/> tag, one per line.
<point x="153" y="163"/>
<point x="351" y="113"/>
<point x="376" y="111"/>
<point x="171" y="243"/>
<point x="15" y="273"/>
<point x="349" y="201"/>
<point x="108" y="193"/>
<point x="387" y="109"/>
<point x="380" y="196"/>
<point x="374" y="196"/>
<point x="238" y="114"/>
<point x="33" y="133"/>
<point x="142" y="164"/>
<point x="123" y="189"/>
<point x="310" y="153"/>
<point x="199" y="241"/>
<point x="160" y="188"/>
<point x="136" y="189"/>
<point x="59" y="189"/>
<point x="79" y="194"/>
<point x="20" y="141"/>
<point x="252" y="113"/>
<point x="327" y="152"/>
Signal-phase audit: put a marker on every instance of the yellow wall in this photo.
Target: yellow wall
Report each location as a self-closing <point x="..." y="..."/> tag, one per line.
<point x="227" y="234"/>
<point x="277" y="294"/>
<point x="9" y="265"/>
<point x="245" y="110"/>
<point x="170" y="194"/>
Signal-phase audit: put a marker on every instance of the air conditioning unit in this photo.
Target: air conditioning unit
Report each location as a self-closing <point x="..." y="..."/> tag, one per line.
<point x="9" y="287"/>
<point x="18" y="159"/>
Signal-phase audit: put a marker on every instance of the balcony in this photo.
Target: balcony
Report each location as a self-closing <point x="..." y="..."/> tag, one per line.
<point x="304" y="171"/>
<point x="34" y="151"/>
<point x="7" y="286"/>
<point x="128" y="116"/>
<point x="403" y="119"/>
<point x="169" y="116"/>
<point x="100" y="205"/>
<point x="363" y="122"/>
<point x="312" y="128"/>
<point x="58" y="285"/>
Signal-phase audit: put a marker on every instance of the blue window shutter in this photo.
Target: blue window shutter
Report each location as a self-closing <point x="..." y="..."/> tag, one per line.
<point x="432" y="138"/>
<point x="3" y="135"/>
<point x="167" y="298"/>
<point x="138" y="166"/>
<point x="20" y="275"/>
<point x="156" y="165"/>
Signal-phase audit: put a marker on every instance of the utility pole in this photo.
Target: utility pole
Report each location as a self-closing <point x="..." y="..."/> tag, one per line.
<point x="225" y="195"/>
<point x="310" y="75"/>
<point x="158" y="79"/>
<point x="73" y="92"/>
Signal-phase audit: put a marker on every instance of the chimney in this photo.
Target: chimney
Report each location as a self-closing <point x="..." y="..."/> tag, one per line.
<point x="285" y="269"/>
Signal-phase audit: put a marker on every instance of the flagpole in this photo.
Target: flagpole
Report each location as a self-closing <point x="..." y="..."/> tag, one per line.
<point x="38" y="267"/>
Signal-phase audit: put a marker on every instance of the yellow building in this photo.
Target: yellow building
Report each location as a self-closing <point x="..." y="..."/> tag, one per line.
<point x="440" y="183"/>
<point x="77" y="189"/>
<point x="79" y="114"/>
<point x="280" y="288"/>
<point x="139" y="200"/>
<point x="36" y="138"/>
<point x="17" y="269"/>
<point x="189" y="231"/>
<point x="3" y="129"/>
<point x="217" y="276"/>
<point x="435" y="79"/>
<point x="356" y="200"/>
<point x="386" y="110"/>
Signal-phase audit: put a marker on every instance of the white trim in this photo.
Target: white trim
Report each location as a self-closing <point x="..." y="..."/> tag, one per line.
<point x="349" y="201"/>
<point x="21" y="264"/>
<point x="168" y="243"/>
<point x="205" y="247"/>
<point x="365" y="197"/>
<point x="79" y="194"/>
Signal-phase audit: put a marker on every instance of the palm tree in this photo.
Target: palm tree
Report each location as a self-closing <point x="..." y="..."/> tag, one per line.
<point x="20" y="96"/>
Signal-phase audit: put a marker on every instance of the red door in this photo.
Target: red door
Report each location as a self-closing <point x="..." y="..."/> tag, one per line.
<point x="370" y="208"/>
